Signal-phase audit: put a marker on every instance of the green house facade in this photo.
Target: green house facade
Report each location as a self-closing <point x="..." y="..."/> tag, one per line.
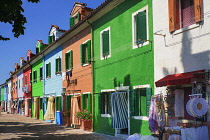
<point x="123" y="68"/>
<point x="37" y="86"/>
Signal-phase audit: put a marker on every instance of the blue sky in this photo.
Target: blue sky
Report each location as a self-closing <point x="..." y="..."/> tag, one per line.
<point x="40" y="16"/>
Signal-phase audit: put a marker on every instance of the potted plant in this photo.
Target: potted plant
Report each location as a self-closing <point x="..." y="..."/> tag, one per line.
<point x="86" y="119"/>
<point x="66" y="118"/>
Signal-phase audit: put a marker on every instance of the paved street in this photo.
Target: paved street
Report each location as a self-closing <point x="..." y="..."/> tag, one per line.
<point x="20" y="127"/>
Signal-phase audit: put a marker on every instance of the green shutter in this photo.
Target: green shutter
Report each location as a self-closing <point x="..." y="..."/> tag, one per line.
<point x="79" y="16"/>
<point x="49" y="69"/>
<point x="136" y="97"/>
<point x="81" y="54"/>
<point x="37" y="50"/>
<point x="148" y="99"/>
<point x="59" y="64"/>
<point x="83" y="101"/>
<point x="47" y="74"/>
<point x="56" y="65"/>
<point x="50" y="39"/>
<point x="143" y="102"/>
<point x="110" y="103"/>
<point x="68" y="102"/>
<point x="132" y="104"/>
<point x="71" y="59"/>
<point x="105" y="43"/>
<point x="141" y="26"/>
<point x="102" y="102"/>
<point x="53" y="37"/>
<point x="89" y="50"/>
<point x="71" y="22"/>
<point x="89" y="103"/>
<point x="67" y="60"/>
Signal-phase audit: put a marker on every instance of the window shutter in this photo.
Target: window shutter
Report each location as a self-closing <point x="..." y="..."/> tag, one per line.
<point x="68" y="102"/>
<point x="132" y="102"/>
<point x="79" y="16"/>
<point x="49" y="65"/>
<point x="102" y="103"/>
<point x="47" y="70"/>
<point x="59" y="64"/>
<point x="67" y="60"/>
<point x="82" y="52"/>
<point x="105" y="43"/>
<point x="141" y="29"/>
<point x="136" y="97"/>
<point x="83" y="101"/>
<point x="37" y="50"/>
<point x="172" y="11"/>
<point x="148" y="98"/>
<point x="56" y="65"/>
<point x="89" y="50"/>
<point x="143" y="102"/>
<point x="89" y="103"/>
<point x="71" y="59"/>
<point x="71" y="22"/>
<point x="110" y="103"/>
<point x="53" y="37"/>
<point x="50" y="38"/>
<point x="198" y="10"/>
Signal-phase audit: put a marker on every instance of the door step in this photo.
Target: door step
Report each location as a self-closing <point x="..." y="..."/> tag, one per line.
<point x="122" y="136"/>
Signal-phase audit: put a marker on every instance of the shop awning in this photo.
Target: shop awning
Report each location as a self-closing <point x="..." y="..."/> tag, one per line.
<point x="177" y="79"/>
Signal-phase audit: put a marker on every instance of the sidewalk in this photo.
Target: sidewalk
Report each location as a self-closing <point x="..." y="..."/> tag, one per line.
<point x="21" y="127"/>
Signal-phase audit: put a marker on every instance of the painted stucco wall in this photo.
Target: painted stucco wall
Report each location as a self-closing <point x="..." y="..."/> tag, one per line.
<point x="54" y="83"/>
<point x="182" y="51"/>
<point x="83" y="74"/>
<point x="37" y="88"/>
<point x="20" y="85"/>
<point x="127" y="66"/>
<point x="9" y="90"/>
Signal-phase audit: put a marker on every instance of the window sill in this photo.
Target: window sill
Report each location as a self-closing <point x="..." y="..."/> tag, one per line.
<point x="58" y="73"/>
<point x="141" y="118"/>
<point x="135" y="46"/>
<point x="105" y="57"/>
<point x="48" y="77"/>
<point x="106" y="115"/>
<point x="196" y="25"/>
<point x="86" y="64"/>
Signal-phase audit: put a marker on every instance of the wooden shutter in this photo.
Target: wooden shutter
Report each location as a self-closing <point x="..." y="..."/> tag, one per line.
<point x="143" y="102"/>
<point x="79" y="16"/>
<point x="198" y="10"/>
<point x="172" y="11"/>
<point x="89" y="50"/>
<point x="141" y="29"/>
<point x="136" y="102"/>
<point x="101" y="102"/>
<point x="71" y="22"/>
<point x="82" y="53"/>
<point x="110" y="103"/>
<point x="49" y="72"/>
<point x="50" y="39"/>
<point x="59" y="64"/>
<point x="67" y="60"/>
<point x="71" y="59"/>
<point x="56" y="65"/>
<point x="148" y="98"/>
<point x="83" y="101"/>
<point x="105" y="43"/>
<point x="89" y="103"/>
<point x="132" y="102"/>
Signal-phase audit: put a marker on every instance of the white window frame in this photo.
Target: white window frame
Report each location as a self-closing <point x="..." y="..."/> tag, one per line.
<point x="134" y="31"/>
<point x="101" y="49"/>
<point x="107" y="90"/>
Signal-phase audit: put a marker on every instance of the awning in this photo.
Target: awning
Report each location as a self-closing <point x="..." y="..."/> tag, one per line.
<point x="177" y="79"/>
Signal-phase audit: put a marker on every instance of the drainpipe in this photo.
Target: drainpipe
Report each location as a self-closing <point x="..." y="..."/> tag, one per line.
<point x="93" y="80"/>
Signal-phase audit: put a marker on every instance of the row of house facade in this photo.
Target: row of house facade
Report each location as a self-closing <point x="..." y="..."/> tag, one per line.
<point x="112" y="61"/>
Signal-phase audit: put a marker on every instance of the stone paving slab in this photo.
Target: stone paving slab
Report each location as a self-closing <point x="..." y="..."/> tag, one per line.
<point x="15" y="127"/>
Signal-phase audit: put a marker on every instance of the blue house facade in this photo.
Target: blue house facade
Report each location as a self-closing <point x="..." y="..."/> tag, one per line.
<point x="53" y="83"/>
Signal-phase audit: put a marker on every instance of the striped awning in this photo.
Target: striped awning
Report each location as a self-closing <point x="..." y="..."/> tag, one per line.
<point x="119" y="110"/>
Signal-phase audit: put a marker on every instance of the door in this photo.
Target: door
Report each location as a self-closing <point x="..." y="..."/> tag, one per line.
<point x="120" y="112"/>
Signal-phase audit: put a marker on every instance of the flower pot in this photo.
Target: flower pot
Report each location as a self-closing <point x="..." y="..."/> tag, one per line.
<point x="66" y="121"/>
<point x="86" y="125"/>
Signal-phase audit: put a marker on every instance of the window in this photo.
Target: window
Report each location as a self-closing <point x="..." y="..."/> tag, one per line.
<point x="183" y="13"/>
<point x="85" y="53"/>
<point x="140" y="28"/>
<point x="141" y="101"/>
<point x="30" y="77"/>
<point x="58" y="65"/>
<point x="86" y="102"/>
<point x="74" y="20"/>
<point x="48" y="70"/>
<point x="19" y="84"/>
<point x="41" y="73"/>
<point x="35" y="76"/>
<point x="105" y="103"/>
<point x="69" y="60"/>
<point x="105" y="43"/>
